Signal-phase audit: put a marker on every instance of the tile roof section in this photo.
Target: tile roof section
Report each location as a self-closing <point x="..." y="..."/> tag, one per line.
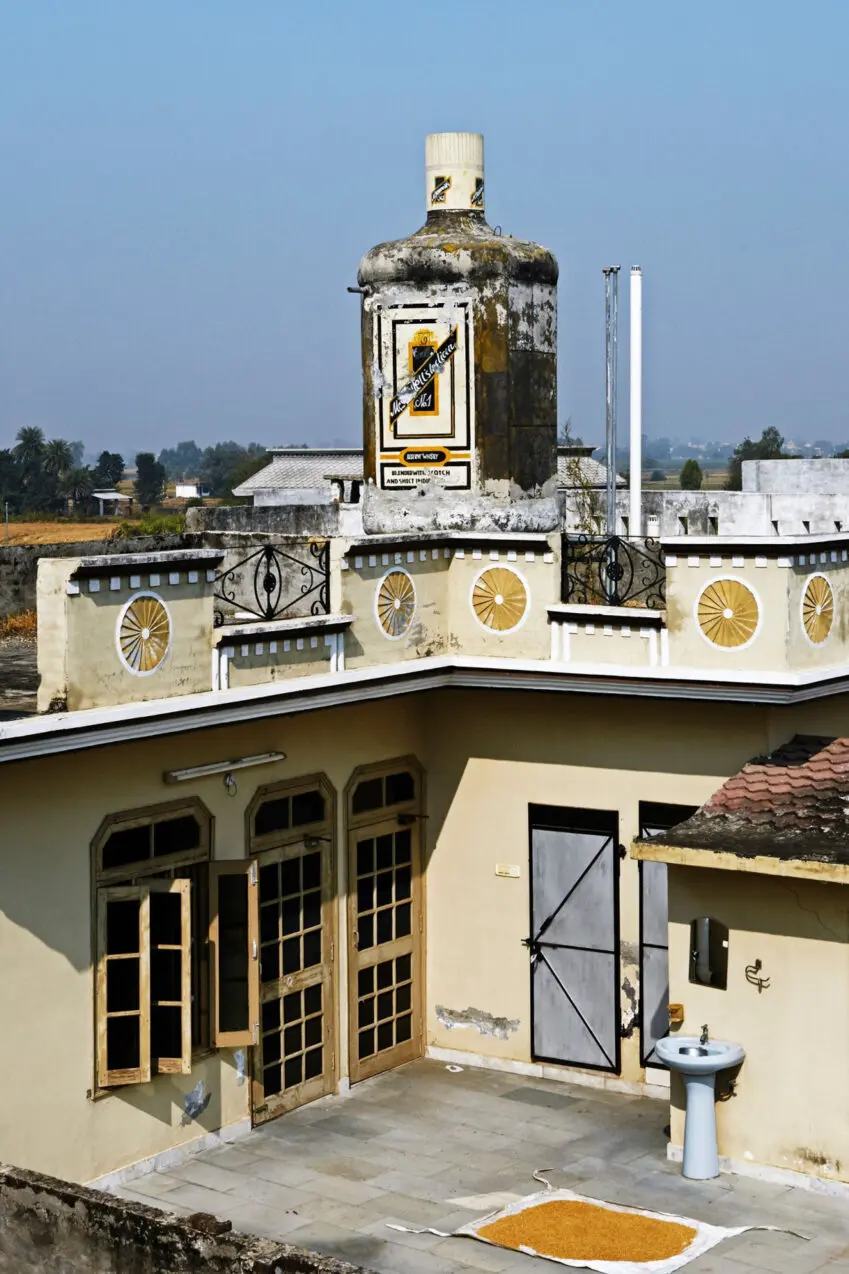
<point x="307" y="469"/>
<point x="791" y="804"/>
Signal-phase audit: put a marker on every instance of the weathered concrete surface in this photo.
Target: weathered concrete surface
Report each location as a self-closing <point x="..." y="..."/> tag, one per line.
<point x="18" y="676"/>
<point x="822" y="476"/>
<point x="19" y="563"/>
<point x="274" y="520"/>
<point x="54" y="1227"/>
<point x="424" y="1147"/>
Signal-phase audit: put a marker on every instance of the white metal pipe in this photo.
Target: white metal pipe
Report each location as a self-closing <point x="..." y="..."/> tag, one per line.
<point x="635" y="520"/>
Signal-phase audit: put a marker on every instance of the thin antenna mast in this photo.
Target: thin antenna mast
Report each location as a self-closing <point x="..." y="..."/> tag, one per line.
<point x="611" y="324"/>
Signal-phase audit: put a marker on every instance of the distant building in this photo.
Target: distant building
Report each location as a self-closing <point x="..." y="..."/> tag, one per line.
<point x="191" y="491"/>
<point x="111" y="501"/>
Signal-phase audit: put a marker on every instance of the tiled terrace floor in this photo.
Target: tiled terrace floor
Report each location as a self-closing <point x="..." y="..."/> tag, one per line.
<point x="426" y="1147"/>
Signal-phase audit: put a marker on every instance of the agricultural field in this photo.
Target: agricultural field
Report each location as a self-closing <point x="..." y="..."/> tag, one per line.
<point x="55" y="532"/>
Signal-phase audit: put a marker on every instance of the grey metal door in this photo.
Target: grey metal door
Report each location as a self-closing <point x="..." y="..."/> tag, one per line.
<point x="574" y="941"/>
<point x="655" y="817"/>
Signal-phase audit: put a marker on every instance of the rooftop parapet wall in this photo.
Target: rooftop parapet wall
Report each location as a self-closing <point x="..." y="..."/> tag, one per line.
<point x="125" y="629"/>
<point x="779" y="607"/>
<point x="49" y="1227"/>
<point x="810" y="478"/>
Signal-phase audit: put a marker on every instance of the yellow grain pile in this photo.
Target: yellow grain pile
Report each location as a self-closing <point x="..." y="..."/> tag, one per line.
<point x="577" y="1231"/>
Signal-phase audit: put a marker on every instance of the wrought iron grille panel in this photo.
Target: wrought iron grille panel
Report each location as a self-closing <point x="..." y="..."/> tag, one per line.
<point x="274" y="580"/>
<point x="611" y="571"/>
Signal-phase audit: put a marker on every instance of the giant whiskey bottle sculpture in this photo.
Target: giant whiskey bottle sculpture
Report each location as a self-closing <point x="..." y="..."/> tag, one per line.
<point x="459" y="331"/>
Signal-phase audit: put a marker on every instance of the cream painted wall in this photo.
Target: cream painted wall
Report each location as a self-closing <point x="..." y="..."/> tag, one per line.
<point x="489" y="755"/>
<point x="365" y="641"/>
<point x="254" y="669"/>
<point x="835" y="649"/>
<point x="531" y="638"/>
<point x="791" y="1104"/>
<point x="52" y="808"/>
<point x="689" y="648"/>
<point x="597" y="642"/>
<point x="95" y="673"/>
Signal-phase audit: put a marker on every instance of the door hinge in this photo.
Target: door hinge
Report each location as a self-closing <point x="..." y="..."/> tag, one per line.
<point x="252" y="876"/>
<point x="254" y="951"/>
<point x="256" y="1032"/>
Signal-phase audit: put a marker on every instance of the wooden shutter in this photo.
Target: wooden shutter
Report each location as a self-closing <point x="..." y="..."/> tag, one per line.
<point x="233" y="937"/>
<point x="123" y="986"/>
<point x="170" y="938"/>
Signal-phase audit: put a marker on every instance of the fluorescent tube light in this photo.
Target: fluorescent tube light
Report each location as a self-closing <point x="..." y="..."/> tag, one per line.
<point x="222" y="767"/>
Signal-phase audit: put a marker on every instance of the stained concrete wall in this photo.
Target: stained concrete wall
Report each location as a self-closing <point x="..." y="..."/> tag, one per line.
<point x="53" y="1227"/>
<point x="19" y="563"/>
<point x="810" y="478"/>
<point x="790" y="1103"/>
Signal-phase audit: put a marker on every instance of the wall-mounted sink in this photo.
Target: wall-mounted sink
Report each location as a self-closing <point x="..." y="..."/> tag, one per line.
<point x="699" y="1063"/>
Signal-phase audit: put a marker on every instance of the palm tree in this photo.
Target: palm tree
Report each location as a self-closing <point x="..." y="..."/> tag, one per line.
<point x="77" y="484"/>
<point x="30" y="447"/>
<point x="58" y="457"/>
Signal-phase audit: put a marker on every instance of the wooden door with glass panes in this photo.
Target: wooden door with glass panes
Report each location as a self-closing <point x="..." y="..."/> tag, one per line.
<point x="385" y="927"/>
<point x="294" y="1056"/>
<point x="294" y="1049"/>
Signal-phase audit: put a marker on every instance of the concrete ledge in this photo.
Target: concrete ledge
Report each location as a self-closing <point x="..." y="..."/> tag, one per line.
<point x="774" y="1176"/>
<point x="49" y="1226"/>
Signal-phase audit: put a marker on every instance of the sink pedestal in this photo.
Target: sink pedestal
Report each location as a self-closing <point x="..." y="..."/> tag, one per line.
<point x="701" y="1158"/>
<point x="697" y="1061"/>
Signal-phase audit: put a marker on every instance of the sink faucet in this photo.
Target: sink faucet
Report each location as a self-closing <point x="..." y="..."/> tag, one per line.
<point x="703" y="1038"/>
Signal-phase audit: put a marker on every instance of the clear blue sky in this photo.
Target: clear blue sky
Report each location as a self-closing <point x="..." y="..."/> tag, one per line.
<point x="188" y="187"/>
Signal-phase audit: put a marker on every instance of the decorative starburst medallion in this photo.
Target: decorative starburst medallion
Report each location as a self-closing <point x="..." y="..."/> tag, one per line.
<point x="144" y="633"/>
<point x="817" y="609"/>
<point x="396" y="603"/>
<point x="728" y="613"/>
<point x="499" y="598"/>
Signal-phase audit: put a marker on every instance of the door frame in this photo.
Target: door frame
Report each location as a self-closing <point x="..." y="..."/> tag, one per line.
<point x="660" y="815"/>
<point x="355" y="824"/>
<point x="258" y="846"/>
<point x="569" y="818"/>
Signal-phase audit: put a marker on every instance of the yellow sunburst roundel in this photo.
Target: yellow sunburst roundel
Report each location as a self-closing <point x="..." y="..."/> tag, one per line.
<point x="728" y="613"/>
<point x="499" y="598"/>
<point x="817" y="609"/>
<point x="144" y="632"/>
<point x="396" y="603"/>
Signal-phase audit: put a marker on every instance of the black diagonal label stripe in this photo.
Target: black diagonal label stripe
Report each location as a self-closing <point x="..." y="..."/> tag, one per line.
<point x="423" y="377"/>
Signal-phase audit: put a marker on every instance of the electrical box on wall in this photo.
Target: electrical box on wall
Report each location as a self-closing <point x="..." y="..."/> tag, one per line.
<point x="709" y="952"/>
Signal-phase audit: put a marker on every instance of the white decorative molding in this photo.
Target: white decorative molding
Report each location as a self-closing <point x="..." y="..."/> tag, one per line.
<point x="411" y="557"/>
<point x="693" y="561"/>
<point x="193" y="577"/>
<point x="530" y="556"/>
<point x="715" y="561"/>
<point x="94" y="586"/>
<point x="760" y="561"/>
<point x="511" y="555"/>
<point x="135" y="581"/>
<point x="72" y="588"/>
<point x="173" y="577"/>
<point x="372" y="559"/>
<point x="287" y="646"/>
<point x="272" y="648"/>
<point x="154" y="580"/>
<point x="738" y="561"/>
<point x="785" y="561"/>
<point x="493" y="555"/>
<point x="548" y="558"/>
<point x="477" y="554"/>
<point x="671" y="559"/>
<point x="313" y="643"/>
<point x="299" y="643"/>
<point x="259" y="649"/>
<point x="344" y="563"/>
<point x="384" y="558"/>
<point x="210" y="577"/>
<point x="246" y="650"/>
<point x="358" y="563"/>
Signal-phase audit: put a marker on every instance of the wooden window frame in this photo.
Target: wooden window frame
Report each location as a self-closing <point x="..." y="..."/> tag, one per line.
<point x="166" y="1066"/>
<point x="139" y="876"/>
<point x="382" y="770"/>
<point x="235" y="867"/>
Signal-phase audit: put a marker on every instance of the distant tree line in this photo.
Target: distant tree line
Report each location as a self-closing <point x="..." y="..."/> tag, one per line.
<point x="41" y="476"/>
<point x="219" y="468"/>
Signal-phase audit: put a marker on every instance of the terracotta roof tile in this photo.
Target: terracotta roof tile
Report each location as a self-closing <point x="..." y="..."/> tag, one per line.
<point x="792" y="803"/>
